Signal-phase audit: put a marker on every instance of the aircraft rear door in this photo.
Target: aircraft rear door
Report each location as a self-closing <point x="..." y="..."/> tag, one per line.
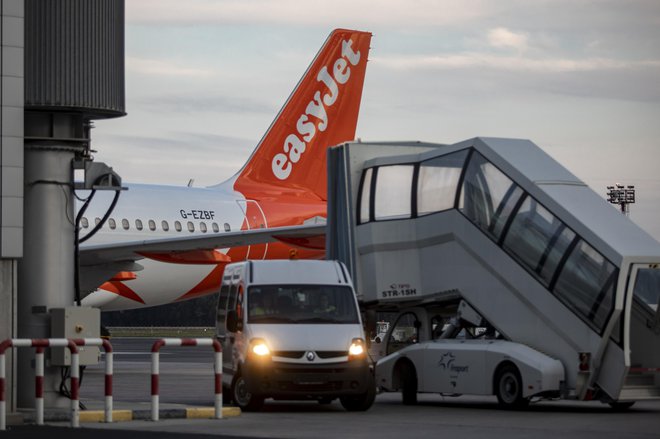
<point x="254" y="219"/>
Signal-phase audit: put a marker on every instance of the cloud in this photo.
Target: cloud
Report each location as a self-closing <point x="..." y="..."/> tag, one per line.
<point x="310" y="12"/>
<point x="158" y="67"/>
<point x="512" y="63"/>
<point x="174" y="158"/>
<point x="201" y="103"/>
<point x="182" y="142"/>
<point x="504" y="38"/>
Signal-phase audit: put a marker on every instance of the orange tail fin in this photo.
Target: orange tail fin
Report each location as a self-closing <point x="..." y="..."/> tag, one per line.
<point x="322" y="111"/>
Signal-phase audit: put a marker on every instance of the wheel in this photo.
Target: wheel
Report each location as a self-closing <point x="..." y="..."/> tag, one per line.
<point x="508" y="388"/>
<point x="244" y="399"/>
<point x="621" y="406"/>
<point x="408" y="378"/>
<point x="361" y="403"/>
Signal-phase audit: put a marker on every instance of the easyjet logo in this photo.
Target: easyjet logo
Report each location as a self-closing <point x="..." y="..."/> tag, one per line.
<point x="315" y="116"/>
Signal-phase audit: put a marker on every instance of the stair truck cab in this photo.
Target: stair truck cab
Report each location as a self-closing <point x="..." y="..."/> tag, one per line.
<point x="292" y="330"/>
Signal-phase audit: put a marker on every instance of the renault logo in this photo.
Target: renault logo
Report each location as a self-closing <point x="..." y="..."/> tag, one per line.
<point x="310" y="356"/>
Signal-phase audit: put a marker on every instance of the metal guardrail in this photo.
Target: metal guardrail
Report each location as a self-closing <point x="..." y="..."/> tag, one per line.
<point x="72" y="345"/>
<point x="155" y="370"/>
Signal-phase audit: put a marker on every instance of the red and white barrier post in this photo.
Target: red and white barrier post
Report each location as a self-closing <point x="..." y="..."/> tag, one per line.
<point x="40" y="344"/>
<point x="107" y="347"/>
<point x="155" y="370"/>
<point x="39" y="384"/>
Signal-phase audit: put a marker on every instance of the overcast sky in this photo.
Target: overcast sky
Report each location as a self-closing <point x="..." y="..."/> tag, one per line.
<point x="581" y="79"/>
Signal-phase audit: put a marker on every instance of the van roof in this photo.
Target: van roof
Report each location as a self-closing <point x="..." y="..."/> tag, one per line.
<point x="297" y="272"/>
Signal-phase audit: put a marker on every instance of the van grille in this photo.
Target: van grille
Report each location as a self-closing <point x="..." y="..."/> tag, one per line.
<point x="289" y="354"/>
<point x="321" y="354"/>
<point x="331" y="354"/>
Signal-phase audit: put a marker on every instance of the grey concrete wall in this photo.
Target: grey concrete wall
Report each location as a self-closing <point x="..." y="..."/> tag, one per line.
<point x="11" y="129"/>
<point x="11" y="173"/>
<point x="8" y="281"/>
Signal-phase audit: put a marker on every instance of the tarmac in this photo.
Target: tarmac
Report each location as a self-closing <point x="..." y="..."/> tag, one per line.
<point x="121" y="415"/>
<point x="23" y="424"/>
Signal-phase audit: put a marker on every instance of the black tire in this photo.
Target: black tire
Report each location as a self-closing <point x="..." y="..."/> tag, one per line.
<point x="508" y="388"/>
<point x="408" y="378"/>
<point x="621" y="406"/>
<point x="242" y="398"/>
<point x="361" y="403"/>
<point x="226" y="395"/>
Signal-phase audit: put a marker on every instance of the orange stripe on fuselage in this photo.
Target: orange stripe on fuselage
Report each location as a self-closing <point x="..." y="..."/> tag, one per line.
<point x="121" y="290"/>
<point x="190" y="257"/>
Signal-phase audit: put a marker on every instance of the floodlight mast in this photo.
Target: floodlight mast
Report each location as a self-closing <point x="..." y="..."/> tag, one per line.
<point x="622" y="195"/>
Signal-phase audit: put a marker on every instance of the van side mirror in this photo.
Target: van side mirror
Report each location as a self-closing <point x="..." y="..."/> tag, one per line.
<point x="233" y="323"/>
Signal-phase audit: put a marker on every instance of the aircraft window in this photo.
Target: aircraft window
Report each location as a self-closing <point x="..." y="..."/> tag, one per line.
<point x="365" y="196"/>
<point x="152" y="225"/>
<point x="438" y="182"/>
<point x="164" y="225"/>
<point x="215" y="227"/>
<point x="97" y="220"/>
<point x="486" y="195"/>
<point x="138" y="224"/>
<point x="202" y="227"/>
<point x="177" y="226"/>
<point x="112" y="224"/>
<point x="191" y="226"/>
<point x="538" y="239"/>
<point x="226" y="226"/>
<point x="393" y="192"/>
<point x="84" y="222"/>
<point x="125" y="224"/>
<point x="586" y="284"/>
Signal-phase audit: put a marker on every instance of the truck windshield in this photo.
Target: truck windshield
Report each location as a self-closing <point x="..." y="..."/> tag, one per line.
<point x="301" y="304"/>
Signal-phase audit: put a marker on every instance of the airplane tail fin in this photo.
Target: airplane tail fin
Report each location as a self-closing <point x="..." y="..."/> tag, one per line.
<point x="322" y="111"/>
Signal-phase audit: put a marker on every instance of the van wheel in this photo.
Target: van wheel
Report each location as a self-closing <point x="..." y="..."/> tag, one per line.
<point x="408" y="378"/>
<point x="508" y="388"/>
<point x="621" y="406"/>
<point x="361" y="403"/>
<point x="242" y="397"/>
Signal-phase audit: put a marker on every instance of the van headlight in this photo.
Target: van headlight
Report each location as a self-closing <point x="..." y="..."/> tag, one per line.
<point x="259" y="347"/>
<point x="356" y="349"/>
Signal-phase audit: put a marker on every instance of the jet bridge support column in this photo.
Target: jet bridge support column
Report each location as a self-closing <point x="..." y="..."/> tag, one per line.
<point x="46" y="270"/>
<point x="74" y="74"/>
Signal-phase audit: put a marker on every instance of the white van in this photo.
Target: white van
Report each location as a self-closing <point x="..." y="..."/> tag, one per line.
<point x="291" y="329"/>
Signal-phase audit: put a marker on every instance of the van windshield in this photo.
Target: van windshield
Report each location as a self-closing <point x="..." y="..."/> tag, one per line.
<point x="301" y="304"/>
